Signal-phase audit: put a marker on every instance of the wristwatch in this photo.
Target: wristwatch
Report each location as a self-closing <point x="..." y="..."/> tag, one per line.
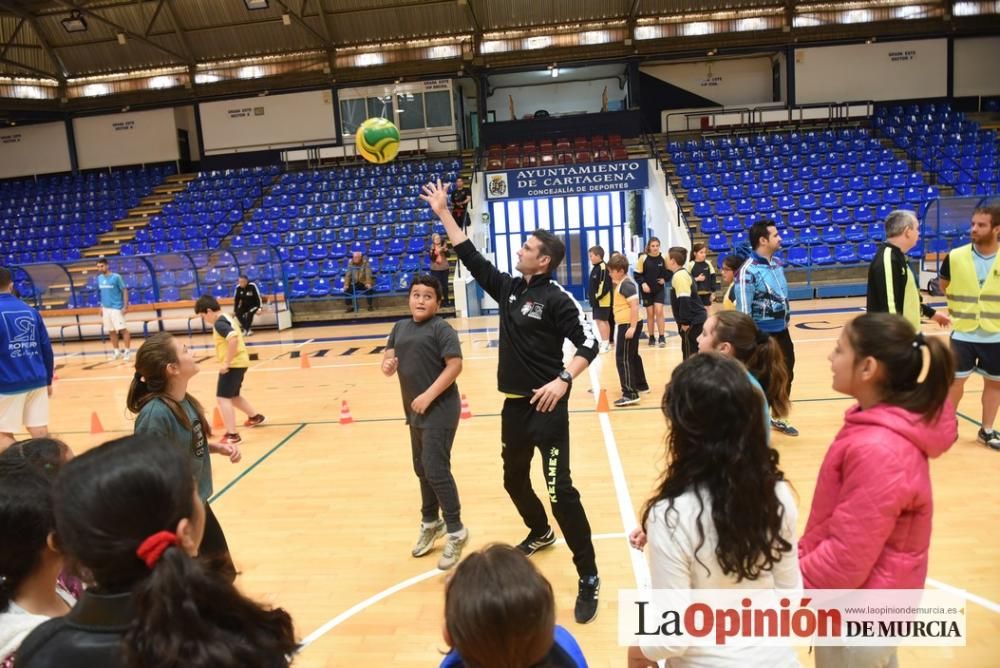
<point x="566" y="377"/>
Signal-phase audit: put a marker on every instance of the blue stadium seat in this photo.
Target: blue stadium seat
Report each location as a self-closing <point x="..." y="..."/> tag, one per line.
<point x="845" y="254"/>
<point x="856" y="233"/>
<point x="808" y="236"/>
<point x="821" y="255"/>
<point x="833" y="234"/>
<point x="798" y="256"/>
<point x="718" y="243"/>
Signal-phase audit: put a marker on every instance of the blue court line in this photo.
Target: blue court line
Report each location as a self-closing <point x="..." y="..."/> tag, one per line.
<point x="245" y="472"/>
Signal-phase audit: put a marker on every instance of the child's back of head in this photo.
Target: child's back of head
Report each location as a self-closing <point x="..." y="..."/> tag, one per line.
<point x="499" y="610"/>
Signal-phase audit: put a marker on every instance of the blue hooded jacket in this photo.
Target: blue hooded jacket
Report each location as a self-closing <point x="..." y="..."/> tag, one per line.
<point x="25" y="351"/>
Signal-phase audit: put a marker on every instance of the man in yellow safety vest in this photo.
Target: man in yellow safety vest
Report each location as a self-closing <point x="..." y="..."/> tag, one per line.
<point x="970" y="277"/>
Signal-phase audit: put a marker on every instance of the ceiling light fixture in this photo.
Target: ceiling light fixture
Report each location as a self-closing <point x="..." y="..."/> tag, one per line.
<point x="75" y="22"/>
<point x="286" y="18"/>
<point x="254" y="5"/>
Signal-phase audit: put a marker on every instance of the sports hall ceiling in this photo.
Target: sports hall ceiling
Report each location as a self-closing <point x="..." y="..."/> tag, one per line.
<point x="36" y="40"/>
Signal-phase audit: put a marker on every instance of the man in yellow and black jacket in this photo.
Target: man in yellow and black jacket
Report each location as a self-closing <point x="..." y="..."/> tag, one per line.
<point x="970" y="276"/>
<point x="892" y="287"/>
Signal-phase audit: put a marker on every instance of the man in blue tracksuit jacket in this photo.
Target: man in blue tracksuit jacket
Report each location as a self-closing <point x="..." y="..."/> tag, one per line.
<point x="25" y="366"/>
<point x="762" y="292"/>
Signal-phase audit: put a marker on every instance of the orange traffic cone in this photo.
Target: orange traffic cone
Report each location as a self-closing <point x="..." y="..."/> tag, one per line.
<point x="466" y="413"/>
<point x="345" y="413"/>
<point x="217" y="422"/>
<point x="304" y="360"/>
<point x="95" y="424"/>
<point x="602" y="402"/>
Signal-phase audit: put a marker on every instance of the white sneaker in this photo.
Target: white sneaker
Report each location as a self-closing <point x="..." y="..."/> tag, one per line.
<point x="453" y="549"/>
<point x="116" y="354"/>
<point x="605" y="347"/>
<point x="127" y="355"/>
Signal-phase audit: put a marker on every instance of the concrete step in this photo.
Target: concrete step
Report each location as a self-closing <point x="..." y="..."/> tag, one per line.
<point x="131" y="223"/>
<point x="150" y="210"/>
<point x="98" y="251"/>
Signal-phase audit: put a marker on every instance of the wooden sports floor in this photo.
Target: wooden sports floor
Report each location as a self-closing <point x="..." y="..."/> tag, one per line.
<point x="321" y="516"/>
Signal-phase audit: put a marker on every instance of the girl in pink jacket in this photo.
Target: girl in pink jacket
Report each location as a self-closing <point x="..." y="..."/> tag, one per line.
<point x="870" y="522"/>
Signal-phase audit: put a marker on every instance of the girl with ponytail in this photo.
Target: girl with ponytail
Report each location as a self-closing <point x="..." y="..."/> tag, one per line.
<point x="870" y="522"/>
<point x="158" y="396"/>
<point x="128" y="512"/>
<point x="736" y="335"/>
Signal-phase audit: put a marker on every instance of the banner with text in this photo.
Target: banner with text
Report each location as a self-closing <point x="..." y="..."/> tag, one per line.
<point x="598" y="177"/>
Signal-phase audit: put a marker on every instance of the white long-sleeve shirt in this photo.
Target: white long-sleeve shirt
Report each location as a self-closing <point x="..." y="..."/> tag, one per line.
<point x="672" y="539"/>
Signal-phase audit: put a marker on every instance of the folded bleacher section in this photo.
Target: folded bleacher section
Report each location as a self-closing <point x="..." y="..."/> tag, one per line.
<point x="316" y="219"/>
<point x="956" y="151"/>
<point x="563" y="151"/>
<point x="205" y="213"/>
<point x="53" y="218"/>
<point x="827" y="190"/>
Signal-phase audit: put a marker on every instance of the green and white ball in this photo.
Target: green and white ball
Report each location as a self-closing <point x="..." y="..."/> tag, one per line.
<point x="377" y="140"/>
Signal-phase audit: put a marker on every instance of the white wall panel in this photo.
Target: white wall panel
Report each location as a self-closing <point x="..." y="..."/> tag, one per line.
<point x="34" y="149"/>
<point x="976" y="71"/>
<point x="270" y="122"/>
<point x="131" y="138"/>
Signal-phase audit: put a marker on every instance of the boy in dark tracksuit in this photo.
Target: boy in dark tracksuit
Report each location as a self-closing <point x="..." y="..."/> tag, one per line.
<point x="688" y="310"/>
<point x="536" y="316"/>
<point x="599" y="296"/>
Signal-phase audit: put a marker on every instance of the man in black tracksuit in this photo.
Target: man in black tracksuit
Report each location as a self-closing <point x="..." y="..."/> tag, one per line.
<point x="536" y="316"/>
<point x="246" y="303"/>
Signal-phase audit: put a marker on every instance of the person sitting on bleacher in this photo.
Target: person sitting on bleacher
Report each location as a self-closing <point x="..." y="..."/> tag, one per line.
<point x="358" y="281"/>
<point x="246" y="303"/>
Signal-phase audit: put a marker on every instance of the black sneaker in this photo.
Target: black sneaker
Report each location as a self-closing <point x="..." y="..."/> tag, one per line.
<point x="663" y="341"/>
<point x="586" y="599"/>
<point x="989" y="438"/>
<point x="626" y="400"/>
<point x="533" y="544"/>
<point x="784" y="427"/>
<point x="652" y="341"/>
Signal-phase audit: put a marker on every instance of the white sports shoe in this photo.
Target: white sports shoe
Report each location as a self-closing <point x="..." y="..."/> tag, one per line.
<point x="127" y="355"/>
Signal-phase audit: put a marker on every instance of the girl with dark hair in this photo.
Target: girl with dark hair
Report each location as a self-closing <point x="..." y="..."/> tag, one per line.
<point x="500" y="613"/>
<point x="30" y="563"/>
<point x="651" y="274"/>
<point x="702" y="272"/>
<point x="870" y="522"/>
<point x="158" y="396"/>
<point x="129" y="513"/>
<point x="735" y="334"/>
<point x="730" y="265"/>
<point x="723" y="515"/>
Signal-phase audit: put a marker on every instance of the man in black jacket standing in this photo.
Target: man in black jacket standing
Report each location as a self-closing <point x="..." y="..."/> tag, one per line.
<point x="536" y="316"/>
<point x="246" y="303"/>
<point x="892" y="287"/>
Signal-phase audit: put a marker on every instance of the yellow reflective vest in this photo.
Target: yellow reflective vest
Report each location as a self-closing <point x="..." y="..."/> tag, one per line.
<point x="971" y="306"/>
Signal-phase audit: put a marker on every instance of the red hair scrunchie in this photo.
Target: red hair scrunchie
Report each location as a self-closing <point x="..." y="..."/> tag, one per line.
<point x="151" y="549"/>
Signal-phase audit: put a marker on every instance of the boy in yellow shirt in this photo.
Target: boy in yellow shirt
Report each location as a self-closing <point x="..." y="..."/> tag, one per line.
<point x="631" y="373"/>
<point x="231" y="353"/>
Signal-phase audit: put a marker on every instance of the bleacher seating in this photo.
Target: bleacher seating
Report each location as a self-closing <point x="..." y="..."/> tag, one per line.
<point x="203" y="214"/>
<point x="957" y="151"/>
<point x="52" y="218"/>
<point x="316" y="219"/>
<point x="562" y="151"/>
<point x="827" y="190"/>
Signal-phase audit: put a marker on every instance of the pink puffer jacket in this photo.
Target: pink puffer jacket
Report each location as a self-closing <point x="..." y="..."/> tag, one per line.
<point x="870" y="522"/>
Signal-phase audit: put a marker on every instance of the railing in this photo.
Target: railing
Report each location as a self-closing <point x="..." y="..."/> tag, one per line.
<point x="754" y="118"/>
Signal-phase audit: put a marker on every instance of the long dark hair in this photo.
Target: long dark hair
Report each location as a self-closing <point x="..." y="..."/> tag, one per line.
<point x="26" y="520"/>
<point x="724" y="454"/>
<point x="107" y="502"/>
<point x="499" y="610"/>
<point x="46" y="454"/>
<point x="899" y="350"/>
<point x="760" y="354"/>
<point x="150" y="380"/>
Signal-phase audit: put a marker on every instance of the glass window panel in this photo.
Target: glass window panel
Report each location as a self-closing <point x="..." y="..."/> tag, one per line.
<point x="379" y="107"/>
<point x="543" y="219"/>
<point x="411" y="111"/>
<point x="616" y="209"/>
<point x="515" y="245"/>
<point x="573" y="213"/>
<point x="352" y="113"/>
<point x="499" y="217"/>
<point x="589" y="217"/>
<point x="438" y="105"/>
<point x="558" y="213"/>
<point x="528" y="213"/>
<point x="502" y="256"/>
<point x="604" y="210"/>
<point x="604" y="241"/>
<point x="514" y="216"/>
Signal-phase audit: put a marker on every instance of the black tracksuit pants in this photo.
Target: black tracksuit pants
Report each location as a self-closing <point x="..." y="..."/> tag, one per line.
<point x="631" y="372"/>
<point x="523" y="429"/>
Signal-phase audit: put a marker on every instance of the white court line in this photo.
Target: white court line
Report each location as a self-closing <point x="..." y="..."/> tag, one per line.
<point x="639" y="567"/>
<point x="978" y="600"/>
<point x="385" y="593"/>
